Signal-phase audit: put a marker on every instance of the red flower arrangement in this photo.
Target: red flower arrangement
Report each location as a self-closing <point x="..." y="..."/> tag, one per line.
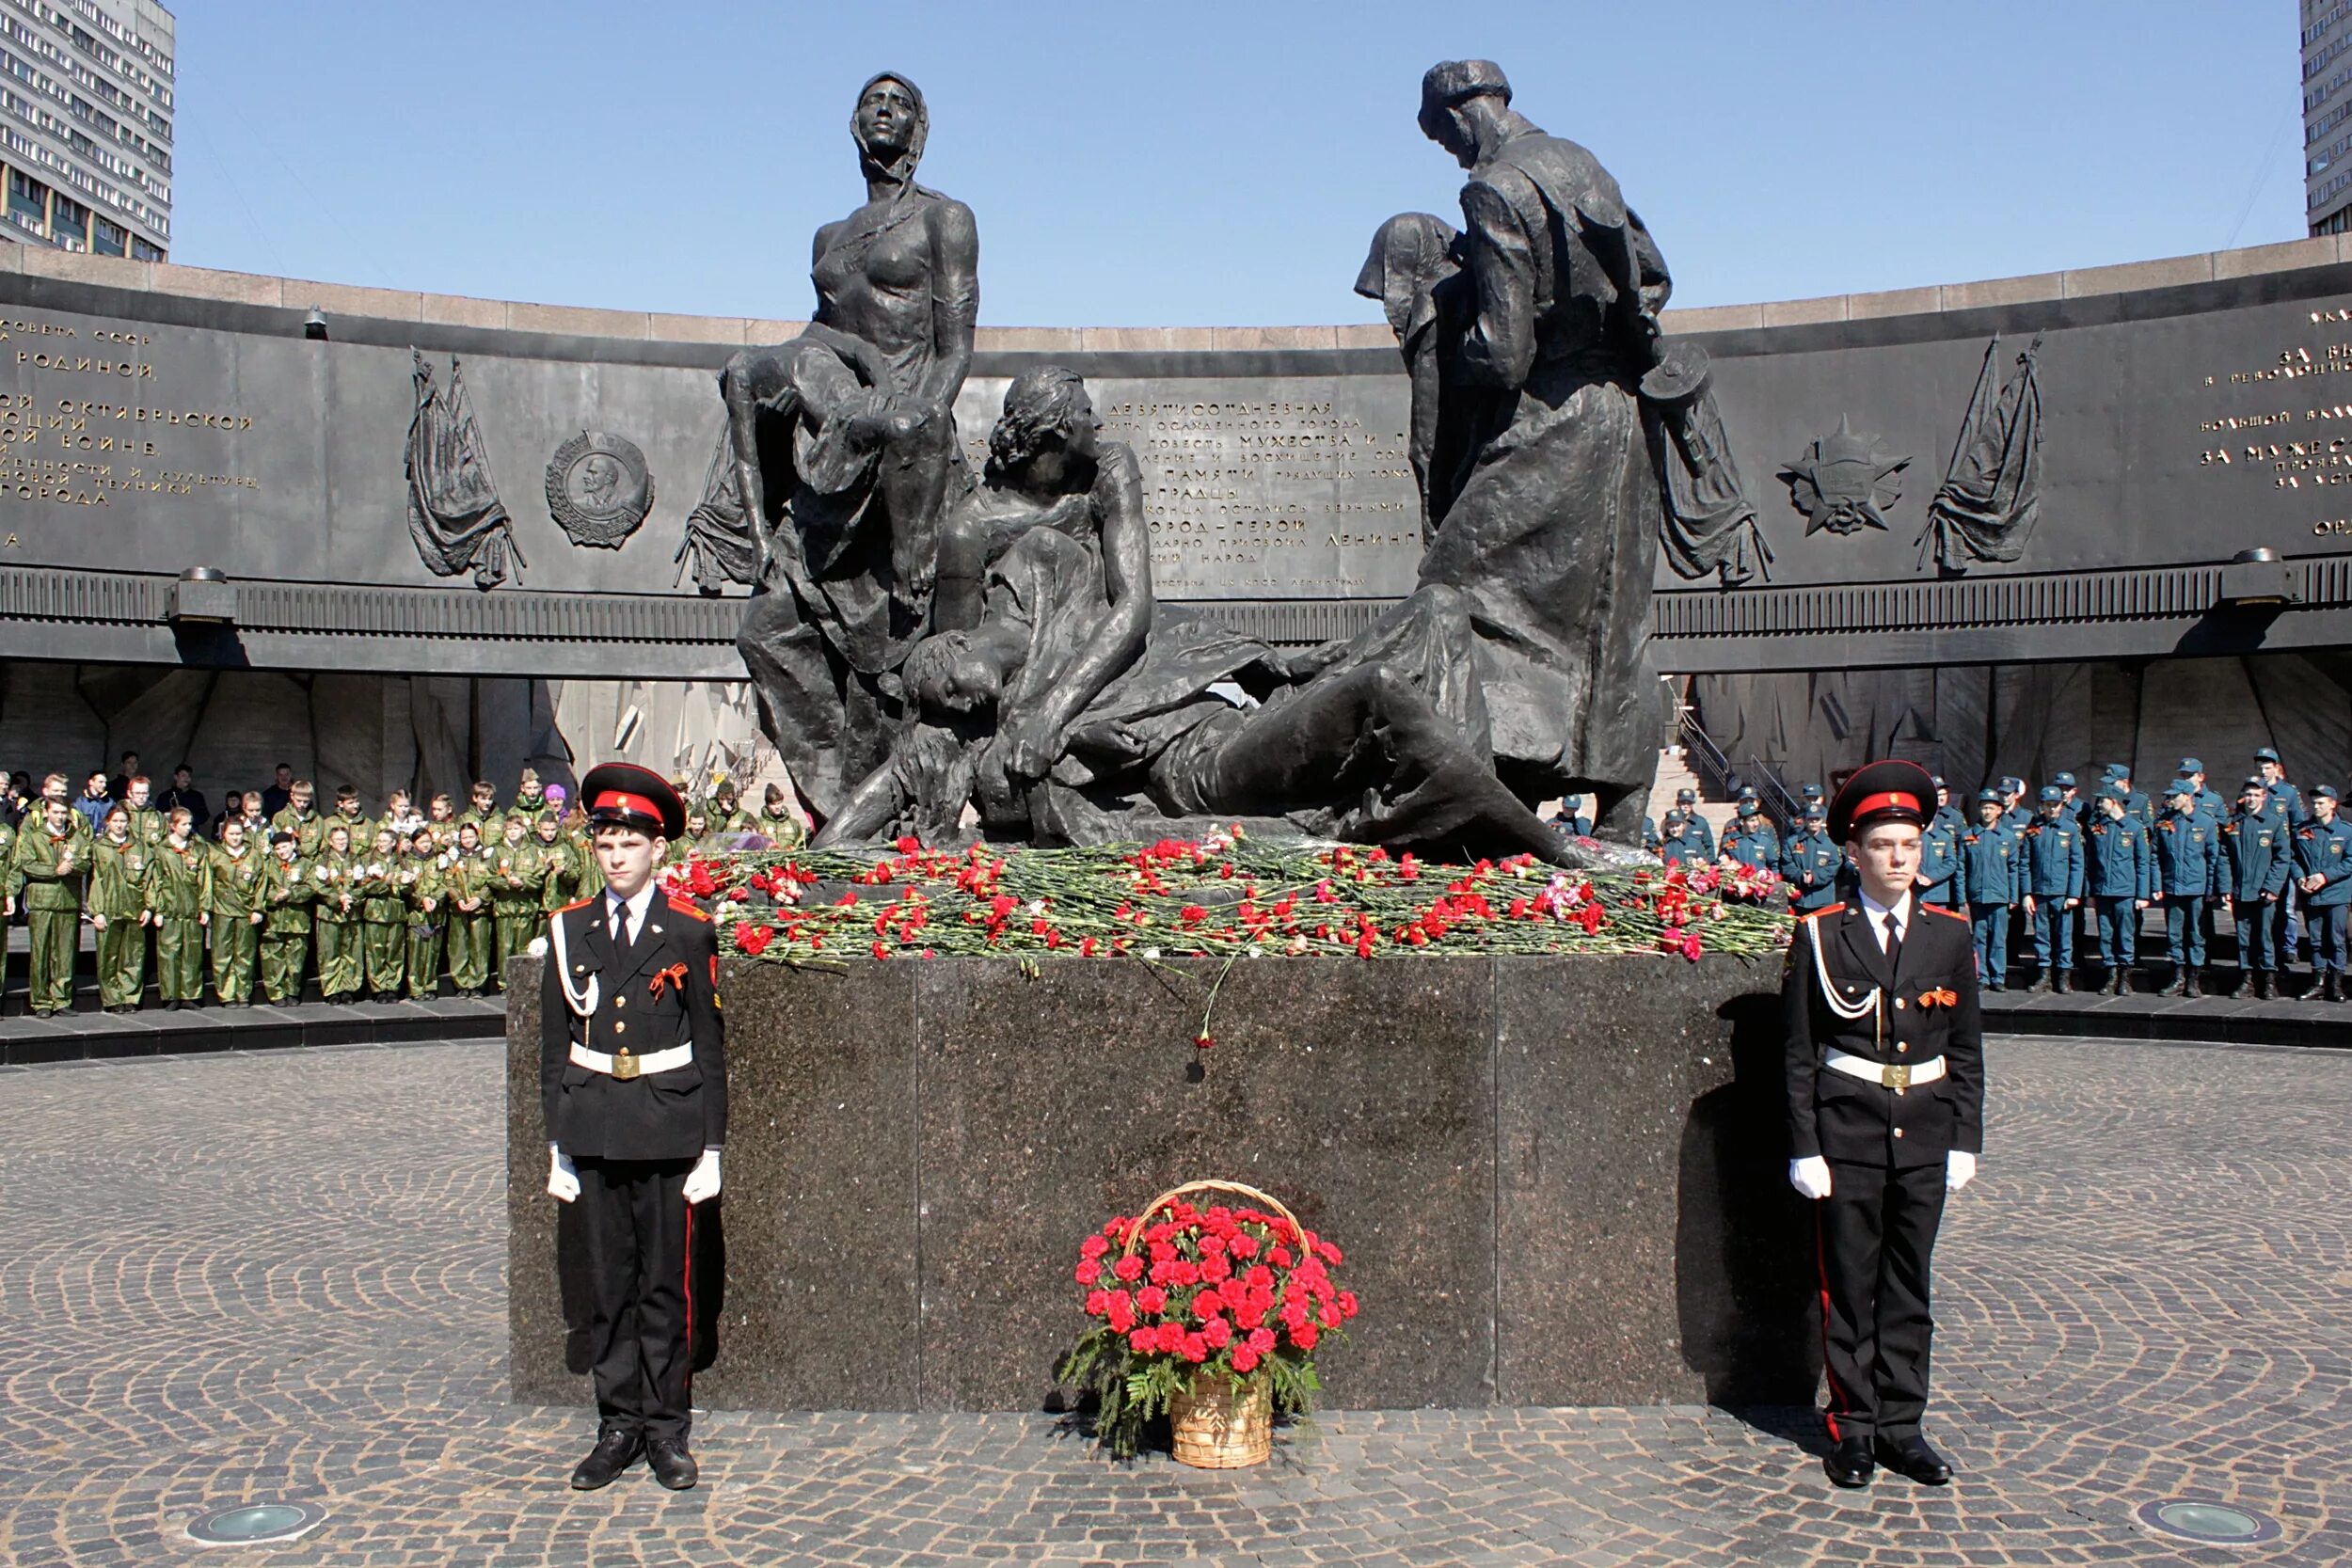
<point x="1198" y="1294"/>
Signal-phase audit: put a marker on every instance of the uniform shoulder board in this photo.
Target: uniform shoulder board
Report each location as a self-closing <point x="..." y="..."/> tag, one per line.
<point x="581" y="905"/>
<point x="1949" y="915"/>
<point x="687" y="907"/>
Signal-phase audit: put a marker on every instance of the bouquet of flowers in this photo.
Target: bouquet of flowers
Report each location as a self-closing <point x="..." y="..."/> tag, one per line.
<point x="1210" y="1316"/>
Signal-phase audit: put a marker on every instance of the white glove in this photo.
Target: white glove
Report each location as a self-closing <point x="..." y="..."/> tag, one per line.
<point x="1959" y="1168"/>
<point x="703" y="1181"/>
<point x="563" y="1178"/>
<point x="1810" y="1177"/>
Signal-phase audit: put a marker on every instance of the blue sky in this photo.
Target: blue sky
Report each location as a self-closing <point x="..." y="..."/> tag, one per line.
<point x="1210" y="163"/>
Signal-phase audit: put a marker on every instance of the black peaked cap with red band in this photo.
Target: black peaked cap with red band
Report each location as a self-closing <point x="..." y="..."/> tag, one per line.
<point x="624" y="793"/>
<point x="1882" y="792"/>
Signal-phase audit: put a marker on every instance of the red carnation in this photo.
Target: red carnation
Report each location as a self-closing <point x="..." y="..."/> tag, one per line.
<point x="1245" y="1359"/>
<point x="1088" y="1271"/>
<point x="1261" y="1340"/>
<point x="1143" y="1342"/>
<point x="1129" y="1268"/>
<point x="1305" y="1336"/>
<point x="1216" y="1333"/>
<point x="1207" y="1303"/>
<point x="1152" y="1299"/>
<point x="1094" y="1246"/>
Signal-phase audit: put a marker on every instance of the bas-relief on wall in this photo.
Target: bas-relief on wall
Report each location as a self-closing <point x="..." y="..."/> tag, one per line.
<point x="130" y="442"/>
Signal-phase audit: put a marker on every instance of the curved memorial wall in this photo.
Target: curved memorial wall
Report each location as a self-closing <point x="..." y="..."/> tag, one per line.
<point x="451" y="496"/>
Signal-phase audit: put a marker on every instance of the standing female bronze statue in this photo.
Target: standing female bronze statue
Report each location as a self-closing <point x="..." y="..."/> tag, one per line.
<point x="843" y="448"/>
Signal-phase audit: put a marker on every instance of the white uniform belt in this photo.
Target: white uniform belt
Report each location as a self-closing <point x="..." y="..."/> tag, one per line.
<point x="1890" y="1075"/>
<point x="658" y="1061"/>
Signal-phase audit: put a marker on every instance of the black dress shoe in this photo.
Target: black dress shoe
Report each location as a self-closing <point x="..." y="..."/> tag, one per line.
<point x="614" y="1452"/>
<point x="672" y="1466"/>
<point x="1850" y="1463"/>
<point x="1912" y="1458"/>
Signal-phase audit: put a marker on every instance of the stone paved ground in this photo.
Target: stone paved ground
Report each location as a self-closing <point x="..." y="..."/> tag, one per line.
<point x="278" y="1276"/>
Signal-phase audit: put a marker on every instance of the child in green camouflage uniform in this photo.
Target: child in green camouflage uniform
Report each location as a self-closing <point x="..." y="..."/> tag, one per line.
<point x="425" y="901"/>
<point x="335" y="921"/>
<point x="287" y="895"/>
<point x="384" y="916"/>
<point x="471" y="935"/>
<point x="48" y="868"/>
<point x="233" y="899"/>
<point x="176" y="871"/>
<point x="117" y="908"/>
<point x="515" y="890"/>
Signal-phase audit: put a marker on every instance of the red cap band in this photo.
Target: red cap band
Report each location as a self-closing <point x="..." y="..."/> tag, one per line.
<point x="1888" y="800"/>
<point x="634" y="805"/>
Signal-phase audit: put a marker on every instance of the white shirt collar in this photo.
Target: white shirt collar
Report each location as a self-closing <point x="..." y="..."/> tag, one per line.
<point x="1876" y="913"/>
<point x="637" y="907"/>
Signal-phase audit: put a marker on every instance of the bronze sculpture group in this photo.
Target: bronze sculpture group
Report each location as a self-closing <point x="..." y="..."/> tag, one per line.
<point x="934" y="648"/>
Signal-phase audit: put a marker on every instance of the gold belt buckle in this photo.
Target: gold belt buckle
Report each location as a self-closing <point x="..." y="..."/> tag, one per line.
<point x="623" y="1066"/>
<point x="1894" y="1075"/>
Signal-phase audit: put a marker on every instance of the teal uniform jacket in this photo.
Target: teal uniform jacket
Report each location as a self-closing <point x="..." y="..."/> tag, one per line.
<point x="1990" y="863"/>
<point x="2118" y="862"/>
<point x="2188" y="855"/>
<point x="2288" y="798"/>
<point x="1809" y="864"/>
<point x="2325" y="848"/>
<point x="1758" y="848"/>
<point x="2254" y="857"/>
<point x="1689" y="848"/>
<point x="2054" y="859"/>
<point x="1941" y="866"/>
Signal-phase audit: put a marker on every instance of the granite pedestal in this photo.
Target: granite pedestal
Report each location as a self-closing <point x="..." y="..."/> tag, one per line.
<point x="1557" y="1180"/>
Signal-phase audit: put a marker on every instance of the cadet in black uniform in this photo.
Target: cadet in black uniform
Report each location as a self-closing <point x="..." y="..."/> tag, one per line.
<point x="633" y="1077"/>
<point x="1885" y="1068"/>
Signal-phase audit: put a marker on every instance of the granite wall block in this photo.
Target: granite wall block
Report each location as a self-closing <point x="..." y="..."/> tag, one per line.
<point x="1548" y="1175"/>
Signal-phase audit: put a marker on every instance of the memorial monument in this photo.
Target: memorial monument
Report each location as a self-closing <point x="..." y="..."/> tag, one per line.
<point x="919" y="639"/>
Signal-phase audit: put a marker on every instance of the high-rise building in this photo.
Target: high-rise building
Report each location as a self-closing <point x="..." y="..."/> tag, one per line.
<point x="85" y="110"/>
<point x="2327" y="115"/>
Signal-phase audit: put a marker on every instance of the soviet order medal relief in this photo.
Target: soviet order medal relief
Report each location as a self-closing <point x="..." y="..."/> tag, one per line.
<point x="598" y="488"/>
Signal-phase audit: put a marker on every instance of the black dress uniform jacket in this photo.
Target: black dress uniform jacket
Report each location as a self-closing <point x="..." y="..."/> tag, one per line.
<point x="659" y="994"/>
<point x="1926" y="1007"/>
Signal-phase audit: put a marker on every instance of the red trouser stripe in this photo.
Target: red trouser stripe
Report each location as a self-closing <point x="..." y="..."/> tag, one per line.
<point x="1821" y="1270"/>
<point x="690" y="1304"/>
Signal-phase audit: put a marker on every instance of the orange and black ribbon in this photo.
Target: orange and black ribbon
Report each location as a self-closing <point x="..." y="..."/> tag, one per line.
<point x="1939" y="998"/>
<point x="674" y="975"/>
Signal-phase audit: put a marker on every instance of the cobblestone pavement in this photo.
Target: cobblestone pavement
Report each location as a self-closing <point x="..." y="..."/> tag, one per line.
<point x="278" y="1277"/>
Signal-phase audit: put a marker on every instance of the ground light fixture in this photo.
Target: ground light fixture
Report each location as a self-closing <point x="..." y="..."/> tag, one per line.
<point x="256" y="1524"/>
<point x="2208" y="1522"/>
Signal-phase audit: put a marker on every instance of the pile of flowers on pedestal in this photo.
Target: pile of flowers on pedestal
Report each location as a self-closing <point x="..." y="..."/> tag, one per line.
<point x="1219" y="896"/>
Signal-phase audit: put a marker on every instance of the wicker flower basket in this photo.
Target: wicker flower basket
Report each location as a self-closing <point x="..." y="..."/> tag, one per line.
<point x="1216" y="1424"/>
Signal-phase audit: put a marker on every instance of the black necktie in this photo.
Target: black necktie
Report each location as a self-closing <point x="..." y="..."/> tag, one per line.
<point x="1894" y="941"/>
<point x="620" y="929"/>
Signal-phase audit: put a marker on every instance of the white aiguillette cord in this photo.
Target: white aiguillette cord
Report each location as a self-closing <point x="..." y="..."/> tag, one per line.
<point x="581" y="1002"/>
<point x="1838" y="1004"/>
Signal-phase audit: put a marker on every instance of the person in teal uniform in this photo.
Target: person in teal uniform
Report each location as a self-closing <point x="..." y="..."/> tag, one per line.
<point x="1989" y="865"/>
<point x="1810" y="861"/>
<point x="2322" y="865"/>
<point x="2188" y="878"/>
<point x="1940" y="865"/>
<point x="2119" y="879"/>
<point x="2255" y="866"/>
<point x="2052" y="853"/>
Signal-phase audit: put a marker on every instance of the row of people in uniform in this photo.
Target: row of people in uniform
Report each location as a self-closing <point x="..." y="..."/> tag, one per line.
<point x="2279" y="859"/>
<point x="378" y="906"/>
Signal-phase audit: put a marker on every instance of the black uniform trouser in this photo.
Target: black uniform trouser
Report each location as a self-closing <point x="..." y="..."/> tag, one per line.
<point x="638" y="1234"/>
<point x="1877" y="1233"/>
